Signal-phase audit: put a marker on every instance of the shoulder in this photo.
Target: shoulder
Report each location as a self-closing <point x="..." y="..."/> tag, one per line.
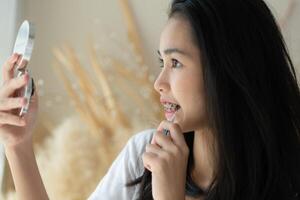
<point x="129" y="162"/>
<point x="135" y="147"/>
<point x="126" y="167"/>
<point x="139" y="140"/>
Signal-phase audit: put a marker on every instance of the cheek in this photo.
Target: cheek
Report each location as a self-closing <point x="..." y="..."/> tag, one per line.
<point x="192" y="100"/>
<point x="195" y="115"/>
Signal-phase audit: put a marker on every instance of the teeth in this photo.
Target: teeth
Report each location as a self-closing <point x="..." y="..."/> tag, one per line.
<point x="171" y="107"/>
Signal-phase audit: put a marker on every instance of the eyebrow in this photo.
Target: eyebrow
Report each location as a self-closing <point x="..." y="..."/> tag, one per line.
<point x="173" y="50"/>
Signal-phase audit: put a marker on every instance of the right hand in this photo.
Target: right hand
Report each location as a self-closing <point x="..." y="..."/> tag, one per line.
<point x="14" y="129"/>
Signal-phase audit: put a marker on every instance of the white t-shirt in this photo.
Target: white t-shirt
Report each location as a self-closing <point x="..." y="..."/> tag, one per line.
<point x="126" y="167"/>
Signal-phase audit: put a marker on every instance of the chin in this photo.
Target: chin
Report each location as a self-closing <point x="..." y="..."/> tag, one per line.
<point x="182" y="126"/>
<point x="188" y="127"/>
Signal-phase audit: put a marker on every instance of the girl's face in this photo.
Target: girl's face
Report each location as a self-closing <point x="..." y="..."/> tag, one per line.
<point x="180" y="80"/>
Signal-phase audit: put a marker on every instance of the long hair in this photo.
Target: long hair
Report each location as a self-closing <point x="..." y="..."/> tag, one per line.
<point x="253" y="101"/>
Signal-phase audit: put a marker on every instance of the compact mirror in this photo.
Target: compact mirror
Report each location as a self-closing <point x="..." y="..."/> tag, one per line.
<point x="23" y="46"/>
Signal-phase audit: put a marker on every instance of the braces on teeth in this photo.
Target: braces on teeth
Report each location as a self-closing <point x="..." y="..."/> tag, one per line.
<point x="171" y="106"/>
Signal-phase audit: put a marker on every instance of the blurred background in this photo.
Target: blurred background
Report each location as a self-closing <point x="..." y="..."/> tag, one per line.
<point x="94" y="63"/>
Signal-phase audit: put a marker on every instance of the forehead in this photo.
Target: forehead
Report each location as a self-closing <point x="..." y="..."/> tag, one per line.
<point x="177" y="33"/>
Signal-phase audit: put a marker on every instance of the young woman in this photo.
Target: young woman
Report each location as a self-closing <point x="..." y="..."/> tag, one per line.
<point x="231" y="87"/>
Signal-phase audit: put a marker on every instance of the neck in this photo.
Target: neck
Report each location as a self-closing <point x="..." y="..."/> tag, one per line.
<point x="204" y="158"/>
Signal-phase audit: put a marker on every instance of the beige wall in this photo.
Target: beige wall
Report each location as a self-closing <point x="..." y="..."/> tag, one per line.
<point x="58" y="21"/>
<point x="291" y="30"/>
<point x="73" y="21"/>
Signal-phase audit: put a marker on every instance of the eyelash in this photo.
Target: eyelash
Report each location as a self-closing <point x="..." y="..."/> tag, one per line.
<point x="161" y="61"/>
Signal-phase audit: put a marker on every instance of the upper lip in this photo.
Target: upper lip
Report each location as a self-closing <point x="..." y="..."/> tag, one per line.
<point x="163" y="101"/>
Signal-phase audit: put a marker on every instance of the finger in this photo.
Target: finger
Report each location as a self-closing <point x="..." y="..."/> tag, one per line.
<point x="163" y="141"/>
<point x="149" y="160"/>
<point x="8" y="67"/>
<point x="153" y="148"/>
<point x="175" y="132"/>
<point x="13" y="84"/>
<point x="10" y="119"/>
<point x="21" y="63"/>
<point x="12" y="103"/>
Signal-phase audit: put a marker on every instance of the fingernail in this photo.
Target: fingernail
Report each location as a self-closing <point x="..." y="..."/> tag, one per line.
<point x="23" y="101"/>
<point x="25" y="76"/>
<point x="152" y="140"/>
<point x="15" y="55"/>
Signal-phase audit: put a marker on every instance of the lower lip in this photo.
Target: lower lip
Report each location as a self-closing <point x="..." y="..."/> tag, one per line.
<point x="169" y="115"/>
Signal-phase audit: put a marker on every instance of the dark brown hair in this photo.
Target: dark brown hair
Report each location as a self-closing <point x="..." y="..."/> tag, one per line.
<point x="253" y="101"/>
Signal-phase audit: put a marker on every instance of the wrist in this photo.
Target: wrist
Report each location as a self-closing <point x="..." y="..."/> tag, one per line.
<point x="19" y="147"/>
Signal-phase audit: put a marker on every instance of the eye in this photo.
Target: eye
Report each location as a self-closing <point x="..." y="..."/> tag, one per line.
<point x="176" y="63"/>
<point x="161" y="62"/>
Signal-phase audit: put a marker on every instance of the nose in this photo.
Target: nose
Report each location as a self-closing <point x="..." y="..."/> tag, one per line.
<point x="161" y="83"/>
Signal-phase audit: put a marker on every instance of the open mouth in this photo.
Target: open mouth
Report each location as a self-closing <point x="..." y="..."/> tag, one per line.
<point x="171" y="107"/>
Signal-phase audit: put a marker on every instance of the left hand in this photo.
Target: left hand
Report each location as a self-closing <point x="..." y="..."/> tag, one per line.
<point x="166" y="157"/>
